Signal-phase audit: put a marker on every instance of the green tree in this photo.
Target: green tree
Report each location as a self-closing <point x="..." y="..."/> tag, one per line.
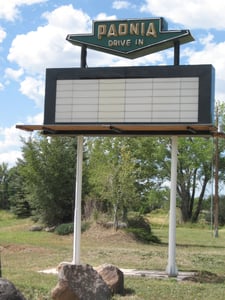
<point x="48" y="169"/>
<point x="151" y="159"/>
<point x="194" y="173"/>
<point x="4" y="182"/>
<point x="112" y="175"/>
<point x="158" y="198"/>
<point x="17" y="194"/>
<point x="152" y="170"/>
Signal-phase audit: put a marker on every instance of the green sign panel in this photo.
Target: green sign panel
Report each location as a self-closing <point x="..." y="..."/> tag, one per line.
<point x="131" y="38"/>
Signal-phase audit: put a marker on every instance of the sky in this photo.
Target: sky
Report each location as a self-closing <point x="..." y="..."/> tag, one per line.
<point x="33" y="38"/>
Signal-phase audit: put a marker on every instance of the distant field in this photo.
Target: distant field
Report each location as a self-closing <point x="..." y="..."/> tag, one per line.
<point x="24" y="253"/>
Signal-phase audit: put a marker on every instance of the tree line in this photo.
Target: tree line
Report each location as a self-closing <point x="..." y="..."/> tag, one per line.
<point x="120" y="174"/>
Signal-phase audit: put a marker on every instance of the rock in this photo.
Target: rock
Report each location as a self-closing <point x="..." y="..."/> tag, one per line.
<point x="50" y="229"/>
<point x="108" y="225"/>
<point x="63" y="291"/>
<point x="113" y="277"/>
<point x="36" y="228"/>
<point x="8" y="291"/>
<point x="80" y="282"/>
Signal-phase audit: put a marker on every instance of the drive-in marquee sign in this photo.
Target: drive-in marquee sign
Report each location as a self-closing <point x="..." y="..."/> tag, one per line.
<point x="131" y="38"/>
<point x="129" y="100"/>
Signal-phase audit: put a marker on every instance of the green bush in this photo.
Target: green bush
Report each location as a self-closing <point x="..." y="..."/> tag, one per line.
<point x="68" y="228"/>
<point x="64" y="229"/>
<point x="141" y="229"/>
<point x="85" y="226"/>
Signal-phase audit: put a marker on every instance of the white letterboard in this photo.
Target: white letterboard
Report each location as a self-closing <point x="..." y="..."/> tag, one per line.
<point x="127" y="100"/>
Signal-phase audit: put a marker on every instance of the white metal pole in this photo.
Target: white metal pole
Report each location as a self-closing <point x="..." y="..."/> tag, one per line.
<point x="171" y="267"/>
<point x="77" y="207"/>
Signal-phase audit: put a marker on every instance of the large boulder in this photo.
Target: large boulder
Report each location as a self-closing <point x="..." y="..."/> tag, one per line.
<point x="8" y="291"/>
<point x="113" y="277"/>
<point x="80" y="282"/>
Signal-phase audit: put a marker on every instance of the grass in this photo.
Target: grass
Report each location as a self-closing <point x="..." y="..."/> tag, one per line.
<point x="24" y="253"/>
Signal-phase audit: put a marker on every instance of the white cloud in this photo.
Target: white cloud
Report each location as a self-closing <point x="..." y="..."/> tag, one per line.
<point x="206" y="39"/>
<point x="34" y="89"/>
<point x="9" y="10"/>
<point x="121" y="4"/>
<point x="13" y="74"/>
<point x="2" y="34"/>
<point x="47" y="46"/>
<point x="153" y="59"/>
<point x="10" y="157"/>
<point x="8" y="137"/>
<point x="192" y="14"/>
<point x="1" y="87"/>
<point x="103" y="16"/>
<point x="36" y="120"/>
<point x="211" y="53"/>
<point x="10" y="141"/>
<point x="66" y="17"/>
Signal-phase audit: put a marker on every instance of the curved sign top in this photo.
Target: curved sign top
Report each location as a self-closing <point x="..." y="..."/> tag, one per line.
<point x="131" y="38"/>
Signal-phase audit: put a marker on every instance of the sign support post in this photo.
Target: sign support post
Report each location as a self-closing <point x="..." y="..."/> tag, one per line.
<point x="176" y="53"/>
<point x="83" y="57"/>
<point x="78" y="190"/>
<point x="77" y="208"/>
<point x="171" y="267"/>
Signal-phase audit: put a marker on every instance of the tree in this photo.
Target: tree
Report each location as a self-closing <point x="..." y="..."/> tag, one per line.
<point x="4" y="181"/>
<point x="218" y="158"/>
<point x="152" y="155"/>
<point x="194" y="173"/>
<point x="17" y="194"/>
<point x="123" y="188"/>
<point x="112" y="175"/>
<point x="158" y="198"/>
<point x="120" y="173"/>
<point x="48" y="169"/>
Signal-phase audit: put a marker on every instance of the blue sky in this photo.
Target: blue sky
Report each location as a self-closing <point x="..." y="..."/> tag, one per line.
<point x="32" y="38"/>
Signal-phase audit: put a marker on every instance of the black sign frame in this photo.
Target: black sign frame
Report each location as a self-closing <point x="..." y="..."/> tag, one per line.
<point x="205" y="73"/>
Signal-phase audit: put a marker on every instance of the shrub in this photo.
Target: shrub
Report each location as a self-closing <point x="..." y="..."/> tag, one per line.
<point x="85" y="226"/>
<point x="68" y="228"/>
<point x="64" y="229"/>
<point x="141" y="229"/>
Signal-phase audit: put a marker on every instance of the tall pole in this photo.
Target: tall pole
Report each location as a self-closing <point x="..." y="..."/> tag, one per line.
<point x="216" y="197"/>
<point x="171" y="267"/>
<point x="78" y="189"/>
<point x="77" y="208"/>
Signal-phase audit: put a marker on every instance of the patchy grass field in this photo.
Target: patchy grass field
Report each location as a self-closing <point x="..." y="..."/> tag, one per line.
<point x="24" y="253"/>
